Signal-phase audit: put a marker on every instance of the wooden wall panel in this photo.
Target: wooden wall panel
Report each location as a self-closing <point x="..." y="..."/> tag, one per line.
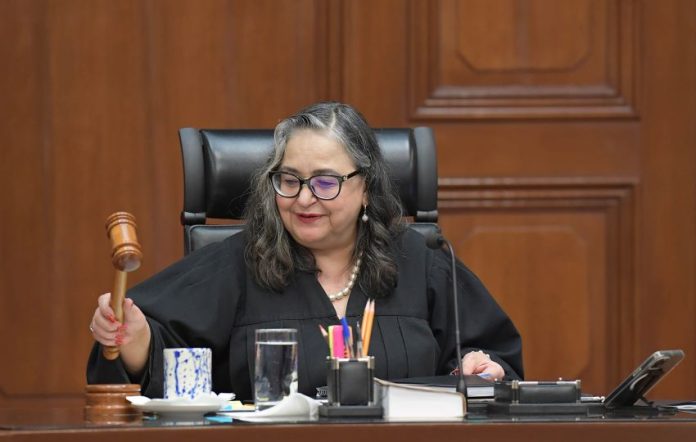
<point x="555" y="255"/>
<point x="523" y="59"/>
<point x="578" y="149"/>
<point x="374" y="63"/>
<point x="223" y="64"/>
<point x="666" y="252"/>
<point x="187" y="47"/>
<point x="24" y="182"/>
<point x="544" y="264"/>
<point x="101" y="90"/>
<point x="88" y="119"/>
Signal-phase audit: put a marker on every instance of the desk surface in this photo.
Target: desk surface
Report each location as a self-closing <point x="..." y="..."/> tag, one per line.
<point x="67" y="424"/>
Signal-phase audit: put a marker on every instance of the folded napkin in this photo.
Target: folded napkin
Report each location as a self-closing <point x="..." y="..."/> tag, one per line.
<point x="294" y="406"/>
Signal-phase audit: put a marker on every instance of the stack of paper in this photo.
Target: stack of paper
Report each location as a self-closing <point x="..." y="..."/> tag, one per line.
<point x="415" y="402"/>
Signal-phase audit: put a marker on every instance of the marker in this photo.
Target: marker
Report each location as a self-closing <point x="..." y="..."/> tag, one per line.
<point x="338" y="350"/>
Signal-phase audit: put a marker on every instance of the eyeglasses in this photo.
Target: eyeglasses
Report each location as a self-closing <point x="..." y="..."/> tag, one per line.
<point x="324" y="187"/>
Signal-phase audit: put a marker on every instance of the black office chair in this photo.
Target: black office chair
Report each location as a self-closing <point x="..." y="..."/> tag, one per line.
<point x="218" y="165"/>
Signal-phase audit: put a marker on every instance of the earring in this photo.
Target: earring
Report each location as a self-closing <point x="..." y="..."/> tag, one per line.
<point x="364" y="217"/>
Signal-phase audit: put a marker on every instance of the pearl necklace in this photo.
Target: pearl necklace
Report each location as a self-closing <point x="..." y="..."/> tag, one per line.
<point x="345" y="291"/>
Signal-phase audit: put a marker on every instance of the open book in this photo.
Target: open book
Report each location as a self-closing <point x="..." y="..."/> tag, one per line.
<point x="418" y="402"/>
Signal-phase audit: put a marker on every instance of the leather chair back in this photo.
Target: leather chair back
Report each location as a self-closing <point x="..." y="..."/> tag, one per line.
<point x="219" y="163"/>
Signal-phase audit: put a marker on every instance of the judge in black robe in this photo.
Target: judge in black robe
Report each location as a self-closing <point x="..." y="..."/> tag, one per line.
<point x="323" y="204"/>
<point x="209" y="299"/>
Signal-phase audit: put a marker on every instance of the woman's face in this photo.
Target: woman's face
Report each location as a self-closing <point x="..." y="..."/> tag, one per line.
<point x="321" y="225"/>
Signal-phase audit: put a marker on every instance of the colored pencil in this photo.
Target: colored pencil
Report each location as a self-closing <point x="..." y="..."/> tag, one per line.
<point x="368" y="327"/>
<point x="324" y="333"/>
<point x="364" y="321"/>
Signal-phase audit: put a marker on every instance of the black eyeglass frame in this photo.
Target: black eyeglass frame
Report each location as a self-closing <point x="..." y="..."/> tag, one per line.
<point x="303" y="181"/>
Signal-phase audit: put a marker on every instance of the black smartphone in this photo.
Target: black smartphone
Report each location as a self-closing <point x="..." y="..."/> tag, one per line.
<point x="643" y="378"/>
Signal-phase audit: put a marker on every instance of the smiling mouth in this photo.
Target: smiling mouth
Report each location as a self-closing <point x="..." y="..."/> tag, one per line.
<point x="308" y="216"/>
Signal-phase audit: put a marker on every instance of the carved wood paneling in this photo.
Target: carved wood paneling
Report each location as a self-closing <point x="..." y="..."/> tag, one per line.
<point x="25" y="198"/>
<point x="92" y="127"/>
<point x="556" y="254"/>
<point x="374" y="64"/>
<point x="667" y="253"/>
<point x="225" y="64"/>
<point x="98" y="91"/>
<point x="474" y="59"/>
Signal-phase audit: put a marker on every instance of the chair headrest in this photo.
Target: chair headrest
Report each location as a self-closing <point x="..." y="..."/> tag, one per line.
<point x="230" y="158"/>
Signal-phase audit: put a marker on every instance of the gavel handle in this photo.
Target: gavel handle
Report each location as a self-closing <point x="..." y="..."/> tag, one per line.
<point x="118" y="294"/>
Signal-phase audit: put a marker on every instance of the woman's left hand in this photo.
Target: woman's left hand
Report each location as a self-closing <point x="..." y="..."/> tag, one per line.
<point x="478" y="362"/>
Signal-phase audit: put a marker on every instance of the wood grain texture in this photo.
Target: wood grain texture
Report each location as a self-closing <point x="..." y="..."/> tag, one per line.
<point x="666" y="254"/>
<point x="554" y="253"/>
<point x="25" y="181"/>
<point x="479" y="59"/>
<point x="68" y="426"/>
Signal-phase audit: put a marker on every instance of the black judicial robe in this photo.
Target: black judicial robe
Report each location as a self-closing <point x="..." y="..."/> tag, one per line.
<point x="210" y="299"/>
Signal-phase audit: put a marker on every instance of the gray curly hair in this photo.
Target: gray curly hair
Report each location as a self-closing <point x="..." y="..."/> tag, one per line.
<point x="274" y="256"/>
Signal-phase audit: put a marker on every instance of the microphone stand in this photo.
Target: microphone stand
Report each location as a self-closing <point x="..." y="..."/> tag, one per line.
<point x="461" y="384"/>
<point x="435" y="240"/>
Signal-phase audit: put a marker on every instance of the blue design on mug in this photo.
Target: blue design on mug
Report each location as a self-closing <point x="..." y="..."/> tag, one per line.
<point x="187" y="372"/>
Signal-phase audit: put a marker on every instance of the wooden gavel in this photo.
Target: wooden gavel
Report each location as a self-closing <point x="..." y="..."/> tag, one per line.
<point x="125" y="256"/>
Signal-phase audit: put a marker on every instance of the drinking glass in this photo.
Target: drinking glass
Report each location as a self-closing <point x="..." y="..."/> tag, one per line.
<point x="275" y="374"/>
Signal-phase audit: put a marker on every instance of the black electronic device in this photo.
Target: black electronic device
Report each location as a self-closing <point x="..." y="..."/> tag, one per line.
<point x="643" y="378"/>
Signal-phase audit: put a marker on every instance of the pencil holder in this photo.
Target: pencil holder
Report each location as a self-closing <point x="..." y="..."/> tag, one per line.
<point x="350" y="385"/>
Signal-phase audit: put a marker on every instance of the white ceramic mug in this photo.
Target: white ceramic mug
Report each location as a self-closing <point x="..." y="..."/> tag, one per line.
<point x="187" y="372"/>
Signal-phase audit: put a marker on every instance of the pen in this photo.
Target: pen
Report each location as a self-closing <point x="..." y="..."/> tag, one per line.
<point x="347" y="348"/>
<point x="358" y="341"/>
<point x="351" y="345"/>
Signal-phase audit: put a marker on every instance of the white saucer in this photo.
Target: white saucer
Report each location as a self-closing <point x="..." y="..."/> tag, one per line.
<point x="181" y="408"/>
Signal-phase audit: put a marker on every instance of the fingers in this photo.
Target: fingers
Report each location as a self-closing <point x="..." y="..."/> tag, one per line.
<point x="105" y="308"/>
<point x="104" y="326"/>
<point x="480" y="363"/>
<point x="134" y="323"/>
<point x="490" y="370"/>
<point x="128" y="306"/>
<point x="109" y="332"/>
<point x="472" y="361"/>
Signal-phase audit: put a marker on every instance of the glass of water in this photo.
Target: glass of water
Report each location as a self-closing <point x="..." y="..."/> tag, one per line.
<point x="275" y="375"/>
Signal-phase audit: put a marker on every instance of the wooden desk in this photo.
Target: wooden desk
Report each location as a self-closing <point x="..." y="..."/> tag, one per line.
<point x="566" y="432"/>
<point x="67" y="425"/>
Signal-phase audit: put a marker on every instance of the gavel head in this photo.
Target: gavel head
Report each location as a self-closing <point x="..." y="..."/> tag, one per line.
<point x="125" y="248"/>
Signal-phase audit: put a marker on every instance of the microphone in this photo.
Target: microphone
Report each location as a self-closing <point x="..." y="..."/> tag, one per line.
<point x="435" y="241"/>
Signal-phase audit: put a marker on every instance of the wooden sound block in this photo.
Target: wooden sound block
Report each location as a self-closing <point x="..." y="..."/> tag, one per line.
<point x="106" y="404"/>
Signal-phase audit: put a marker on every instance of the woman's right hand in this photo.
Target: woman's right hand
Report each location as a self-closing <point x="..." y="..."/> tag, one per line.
<point x="132" y="336"/>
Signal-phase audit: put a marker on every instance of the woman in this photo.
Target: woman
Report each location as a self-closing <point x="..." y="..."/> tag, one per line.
<point x="324" y="234"/>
